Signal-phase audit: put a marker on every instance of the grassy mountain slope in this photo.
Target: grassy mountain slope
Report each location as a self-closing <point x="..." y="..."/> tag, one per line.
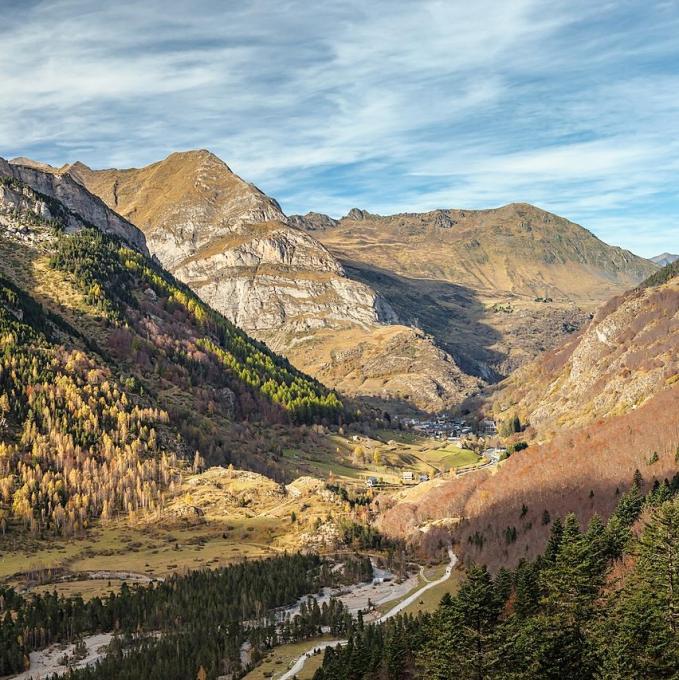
<point x="517" y="248"/>
<point x="498" y="288"/>
<point x="582" y="470"/>
<point x="627" y="354"/>
<point x="493" y="287"/>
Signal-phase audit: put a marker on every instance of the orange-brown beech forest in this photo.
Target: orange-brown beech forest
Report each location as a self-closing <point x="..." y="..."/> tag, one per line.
<point x="507" y="515"/>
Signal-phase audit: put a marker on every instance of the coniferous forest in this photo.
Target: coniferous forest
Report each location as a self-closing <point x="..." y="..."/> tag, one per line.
<point x="170" y="629"/>
<point x="601" y="602"/>
<point x="82" y="434"/>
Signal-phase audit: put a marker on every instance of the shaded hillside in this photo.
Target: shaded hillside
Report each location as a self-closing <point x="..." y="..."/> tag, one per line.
<point x="498" y="517"/>
<point x="487" y="338"/>
<point x="489" y="289"/>
<point x="597" y="602"/>
<point x="495" y="288"/>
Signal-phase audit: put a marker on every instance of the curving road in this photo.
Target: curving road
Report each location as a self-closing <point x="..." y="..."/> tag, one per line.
<point x="299" y="664"/>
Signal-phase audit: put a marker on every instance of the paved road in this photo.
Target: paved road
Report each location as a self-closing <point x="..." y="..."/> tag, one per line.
<point x="299" y="664"/>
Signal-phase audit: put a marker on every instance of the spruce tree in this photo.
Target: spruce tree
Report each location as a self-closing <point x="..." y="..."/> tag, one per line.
<point x="639" y="631"/>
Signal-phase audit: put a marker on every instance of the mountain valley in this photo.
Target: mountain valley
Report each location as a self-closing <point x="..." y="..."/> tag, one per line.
<point x="152" y="449"/>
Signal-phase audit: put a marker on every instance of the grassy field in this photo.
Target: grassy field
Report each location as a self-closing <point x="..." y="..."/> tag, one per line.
<point x="219" y="517"/>
<point x="281" y="658"/>
<point x="449" y="456"/>
<point x="153" y="552"/>
<point x="430" y="599"/>
<point x="86" y="589"/>
<point x="386" y="456"/>
<point x="222" y="516"/>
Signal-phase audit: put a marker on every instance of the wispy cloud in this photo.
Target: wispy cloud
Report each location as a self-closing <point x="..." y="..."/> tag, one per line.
<point x="389" y="105"/>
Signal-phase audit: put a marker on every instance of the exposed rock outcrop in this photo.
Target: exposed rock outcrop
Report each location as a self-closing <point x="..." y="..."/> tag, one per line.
<point x="312" y="221"/>
<point x="627" y="354"/>
<point x="491" y="288"/>
<point x="232" y="244"/>
<point x="78" y="206"/>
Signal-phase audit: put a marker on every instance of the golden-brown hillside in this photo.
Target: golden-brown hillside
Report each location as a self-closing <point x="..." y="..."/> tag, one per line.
<point x="517" y="248"/>
<point x="627" y="354"/>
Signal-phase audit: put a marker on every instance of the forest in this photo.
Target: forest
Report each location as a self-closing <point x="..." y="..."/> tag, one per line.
<point x="109" y="273"/>
<point x="74" y="443"/>
<point x="600" y="602"/>
<point x="86" y="431"/>
<point x="172" y="628"/>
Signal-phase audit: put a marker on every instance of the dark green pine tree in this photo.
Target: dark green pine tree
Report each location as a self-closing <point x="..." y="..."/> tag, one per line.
<point x="396" y="654"/>
<point x="554" y="541"/>
<point x="638" y="636"/>
<point x="439" y="655"/>
<point x="552" y="644"/>
<point x="527" y="589"/>
<point x="463" y="633"/>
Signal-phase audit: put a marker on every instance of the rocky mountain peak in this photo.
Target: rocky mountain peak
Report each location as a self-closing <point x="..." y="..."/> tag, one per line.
<point x="312" y="221"/>
<point x="357" y="214"/>
<point x="664" y="259"/>
<point x="234" y="245"/>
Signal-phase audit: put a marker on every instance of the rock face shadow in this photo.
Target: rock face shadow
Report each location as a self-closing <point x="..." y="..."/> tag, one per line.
<point x="451" y="313"/>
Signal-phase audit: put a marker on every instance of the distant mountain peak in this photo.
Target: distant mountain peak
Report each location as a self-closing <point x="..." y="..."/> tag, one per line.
<point x="357" y="214"/>
<point x="30" y="163"/>
<point x="312" y="221"/>
<point x="664" y="259"/>
<point x="80" y="206"/>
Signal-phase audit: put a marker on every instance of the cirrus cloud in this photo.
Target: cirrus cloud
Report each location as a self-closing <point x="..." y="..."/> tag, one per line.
<point x="389" y="105"/>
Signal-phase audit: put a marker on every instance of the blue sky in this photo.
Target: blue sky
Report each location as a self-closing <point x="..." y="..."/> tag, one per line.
<point x="387" y="106"/>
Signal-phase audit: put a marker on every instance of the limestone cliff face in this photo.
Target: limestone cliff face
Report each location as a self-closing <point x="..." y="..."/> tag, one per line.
<point x="233" y="245"/>
<point x="278" y="282"/>
<point x="78" y="207"/>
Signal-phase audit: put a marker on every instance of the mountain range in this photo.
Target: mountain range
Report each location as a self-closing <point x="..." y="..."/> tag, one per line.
<point x="367" y="304"/>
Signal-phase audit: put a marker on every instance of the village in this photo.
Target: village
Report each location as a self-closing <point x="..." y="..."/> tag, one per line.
<point x="456" y="432"/>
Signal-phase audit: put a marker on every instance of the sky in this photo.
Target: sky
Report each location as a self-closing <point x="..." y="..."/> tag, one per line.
<point x="388" y="106"/>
